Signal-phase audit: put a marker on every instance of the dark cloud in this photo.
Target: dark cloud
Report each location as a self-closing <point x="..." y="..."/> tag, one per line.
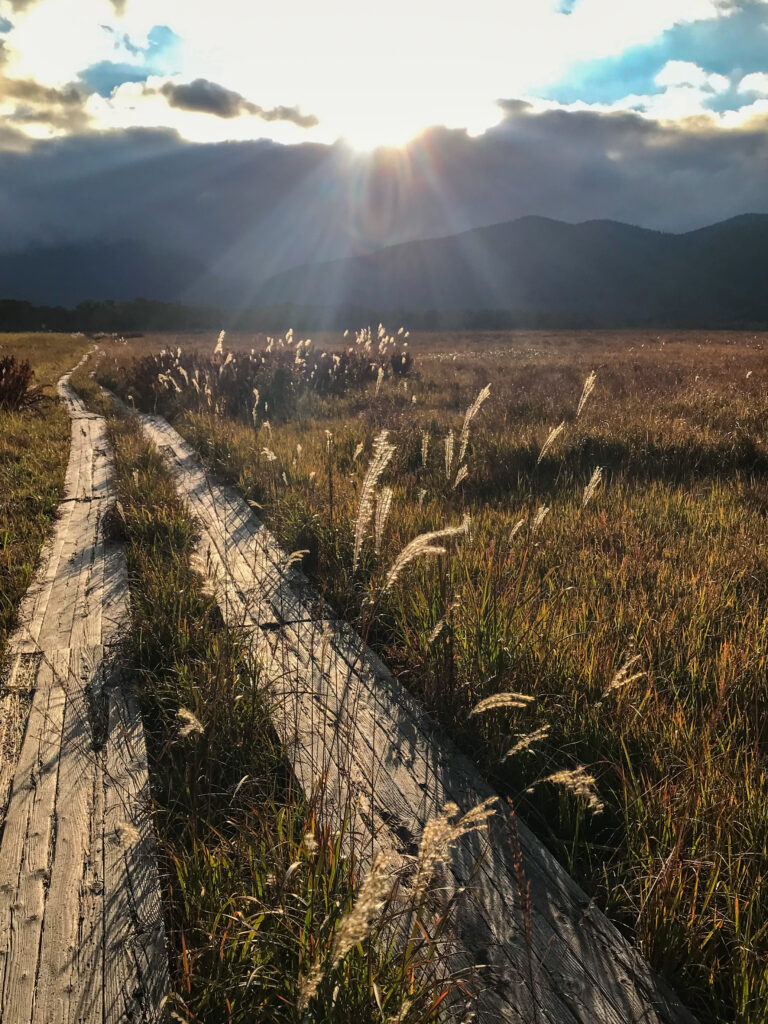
<point x="207" y="97"/>
<point x="29" y="91"/>
<point x="248" y="210"/>
<point x="62" y="110"/>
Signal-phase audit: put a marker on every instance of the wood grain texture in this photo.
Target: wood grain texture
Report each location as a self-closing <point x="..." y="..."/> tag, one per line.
<point x="80" y="916"/>
<point x="347" y="724"/>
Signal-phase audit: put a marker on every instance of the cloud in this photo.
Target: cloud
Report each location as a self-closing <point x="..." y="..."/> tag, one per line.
<point x="254" y="208"/>
<point x="677" y="73"/>
<point x="30" y="91"/>
<point x="732" y="45"/>
<point x="756" y="82"/>
<point x="404" y="66"/>
<point x="202" y="96"/>
<point x="39" y="108"/>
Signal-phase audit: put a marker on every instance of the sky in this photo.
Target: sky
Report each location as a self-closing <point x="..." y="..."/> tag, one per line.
<point x="303" y="130"/>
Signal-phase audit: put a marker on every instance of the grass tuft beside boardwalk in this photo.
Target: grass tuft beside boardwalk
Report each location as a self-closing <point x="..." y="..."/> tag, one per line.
<point x="34" y="449"/>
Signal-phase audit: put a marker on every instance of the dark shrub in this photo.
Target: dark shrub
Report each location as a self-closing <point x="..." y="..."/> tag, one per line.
<point x="17" y="391"/>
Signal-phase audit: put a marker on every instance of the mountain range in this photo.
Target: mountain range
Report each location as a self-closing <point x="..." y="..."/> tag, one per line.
<point x="597" y="273"/>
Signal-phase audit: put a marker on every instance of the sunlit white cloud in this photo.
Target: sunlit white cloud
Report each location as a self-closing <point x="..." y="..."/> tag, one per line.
<point x="677" y="73"/>
<point x="372" y="73"/>
<point x="756" y="82"/>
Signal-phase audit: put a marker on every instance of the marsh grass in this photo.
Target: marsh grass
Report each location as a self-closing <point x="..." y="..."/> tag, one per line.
<point x="270" y="916"/>
<point x="34" y="451"/>
<point x="558" y="587"/>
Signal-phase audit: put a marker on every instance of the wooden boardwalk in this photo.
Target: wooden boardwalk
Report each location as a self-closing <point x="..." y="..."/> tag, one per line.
<point x="347" y="723"/>
<point x="81" y="929"/>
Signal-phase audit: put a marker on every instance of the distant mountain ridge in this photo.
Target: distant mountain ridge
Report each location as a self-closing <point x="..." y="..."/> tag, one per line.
<point x="532" y="270"/>
<point x="598" y="272"/>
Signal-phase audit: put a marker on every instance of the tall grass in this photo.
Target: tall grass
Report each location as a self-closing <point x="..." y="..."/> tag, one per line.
<point x="568" y="576"/>
<point x="270" y="915"/>
<point x="34" y="450"/>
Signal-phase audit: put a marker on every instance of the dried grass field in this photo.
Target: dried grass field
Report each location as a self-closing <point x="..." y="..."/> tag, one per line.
<point x="568" y="568"/>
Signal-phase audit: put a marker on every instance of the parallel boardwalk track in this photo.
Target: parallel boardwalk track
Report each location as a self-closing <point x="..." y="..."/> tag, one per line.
<point x="347" y="724"/>
<point x="81" y="930"/>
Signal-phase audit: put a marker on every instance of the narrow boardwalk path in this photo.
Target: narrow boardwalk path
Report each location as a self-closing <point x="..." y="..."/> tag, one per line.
<point x="81" y="930"/>
<point x="347" y="722"/>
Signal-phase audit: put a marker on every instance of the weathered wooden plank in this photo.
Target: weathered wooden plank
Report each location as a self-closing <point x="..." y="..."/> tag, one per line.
<point x="29" y="840"/>
<point x="345" y="719"/>
<point x="62" y="931"/>
<point x="58" y="974"/>
<point x="136" y="982"/>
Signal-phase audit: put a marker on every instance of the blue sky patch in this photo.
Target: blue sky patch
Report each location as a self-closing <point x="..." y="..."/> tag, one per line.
<point x="732" y="46"/>
<point x="5" y="25"/>
<point x="106" y="76"/>
<point x="159" y="57"/>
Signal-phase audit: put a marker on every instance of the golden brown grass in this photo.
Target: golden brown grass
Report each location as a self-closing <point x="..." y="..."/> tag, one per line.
<point x="635" y="613"/>
<point x="34" y="450"/>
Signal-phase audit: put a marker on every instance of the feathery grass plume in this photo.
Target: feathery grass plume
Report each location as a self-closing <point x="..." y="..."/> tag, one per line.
<point x="189" y="725"/>
<point x="462" y="474"/>
<point x="594" y="483"/>
<point x="220" y="344"/>
<point x="379" y="378"/>
<point x="469" y="415"/>
<point x="526" y="741"/>
<point x="589" y="387"/>
<point x="448" y="454"/>
<point x="516" y="529"/>
<point x="624" y="676"/>
<point x="577" y="781"/>
<point x="358" y="452"/>
<point x="424" y="448"/>
<point x="422" y="496"/>
<point x="554" y="433"/>
<point x="440" y="834"/>
<point x="383" y="505"/>
<point x="269" y="454"/>
<point x="502" y="700"/>
<point x="539" y="518"/>
<point x="421" y="546"/>
<point x="383" y="450"/>
<point x="438" y="629"/>
<point x="294" y="558"/>
<point x="355" y="926"/>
